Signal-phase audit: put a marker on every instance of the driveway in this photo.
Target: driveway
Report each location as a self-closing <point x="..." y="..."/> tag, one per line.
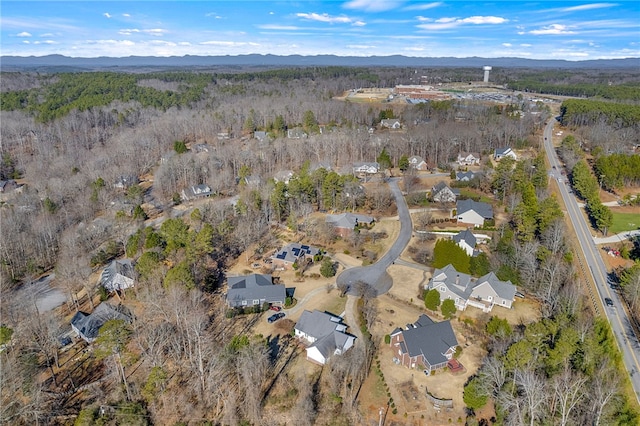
<point x="376" y="275"/>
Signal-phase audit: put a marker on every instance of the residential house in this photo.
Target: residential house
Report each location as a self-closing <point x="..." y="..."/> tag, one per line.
<point x="325" y="335"/>
<point x="8" y="185"/>
<point x="254" y="289"/>
<point x="283" y="176"/>
<point x="294" y="253"/>
<point x="296" y="133"/>
<point x="473" y="212"/>
<point x="366" y="168"/>
<point x="390" y="123"/>
<point x="425" y="344"/>
<point x="467" y="176"/>
<point x="345" y="223"/>
<point x="223" y="136"/>
<point x="87" y="326"/>
<point x="441" y="193"/>
<point x="484" y="293"/>
<point x="468" y="158"/>
<point x="467" y="242"/>
<point x="418" y="163"/>
<point x="500" y="153"/>
<point x="200" y="148"/>
<point x="253" y="181"/>
<point x="126" y="181"/>
<point x="261" y="136"/>
<point x="119" y="275"/>
<point x="196" y="191"/>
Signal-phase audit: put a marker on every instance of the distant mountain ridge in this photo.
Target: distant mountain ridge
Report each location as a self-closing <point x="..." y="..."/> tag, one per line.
<point x="25" y="62"/>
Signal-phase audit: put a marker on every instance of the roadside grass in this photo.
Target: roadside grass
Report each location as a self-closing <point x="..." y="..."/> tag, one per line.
<point x="624" y="222"/>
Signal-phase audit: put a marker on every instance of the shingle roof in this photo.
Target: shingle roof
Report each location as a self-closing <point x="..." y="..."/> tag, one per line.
<point x="318" y="324"/>
<point x="457" y="282"/>
<point x="88" y="325"/>
<point x="483" y="209"/>
<point x="467" y="175"/>
<point x="466" y="236"/>
<point x="504" y="289"/>
<point x="502" y="151"/>
<point x="252" y="287"/>
<point x="112" y="276"/>
<point x="347" y="220"/>
<point x="431" y="340"/>
<point x="292" y="252"/>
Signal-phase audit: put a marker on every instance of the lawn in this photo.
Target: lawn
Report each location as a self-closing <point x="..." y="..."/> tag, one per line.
<point x="624" y="222"/>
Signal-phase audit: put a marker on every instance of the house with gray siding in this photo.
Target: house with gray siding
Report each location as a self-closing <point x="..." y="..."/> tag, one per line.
<point x="483" y="293"/>
<point x="425" y="344"/>
<point x="254" y="290"/>
<point x="441" y="193"/>
<point x="467" y="242"/>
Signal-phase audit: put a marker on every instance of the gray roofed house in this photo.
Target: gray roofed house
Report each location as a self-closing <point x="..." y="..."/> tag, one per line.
<point x="283" y="176"/>
<point x="345" y="223"/>
<point x="296" y="133"/>
<point x="468" y="158"/>
<point x="418" y="163"/>
<point x="254" y="289"/>
<point x="484" y="293"/>
<point x="292" y="253"/>
<point x="424" y="344"/>
<point x="473" y="212"/>
<point x="325" y="334"/>
<point x="87" y="326"/>
<point x="504" y="152"/>
<point x="366" y="168"/>
<point x="196" y="191"/>
<point x="390" y="123"/>
<point x="260" y="135"/>
<point x="466" y="241"/>
<point x="443" y="194"/>
<point x="119" y="275"/>
<point x="126" y="181"/>
<point x="467" y="176"/>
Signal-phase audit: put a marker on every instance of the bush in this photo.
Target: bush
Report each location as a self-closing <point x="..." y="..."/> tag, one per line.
<point x="387" y="339"/>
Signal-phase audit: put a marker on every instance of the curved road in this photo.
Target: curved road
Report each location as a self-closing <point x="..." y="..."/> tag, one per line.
<point x="376" y="275"/>
<point x="616" y="315"/>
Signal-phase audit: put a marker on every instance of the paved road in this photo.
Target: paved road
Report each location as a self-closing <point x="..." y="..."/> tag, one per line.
<point x="376" y="275"/>
<point x="620" y="324"/>
<point x="617" y="238"/>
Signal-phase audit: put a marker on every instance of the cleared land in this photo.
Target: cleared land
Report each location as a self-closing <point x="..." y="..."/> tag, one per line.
<point x="625" y="222"/>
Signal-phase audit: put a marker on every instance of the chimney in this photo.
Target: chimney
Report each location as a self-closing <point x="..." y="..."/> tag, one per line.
<point x="458" y="279"/>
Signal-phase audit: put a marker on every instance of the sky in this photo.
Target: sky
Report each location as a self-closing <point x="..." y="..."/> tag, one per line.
<point x="575" y="30"/>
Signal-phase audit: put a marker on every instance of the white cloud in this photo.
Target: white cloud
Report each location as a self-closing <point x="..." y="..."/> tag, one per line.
<point x="157" y="32"/>
<point x="424" y="6"/>
<point x="452" y="22"/>
<point x="107" y="15"/>
<point x="372" y="5"/>
<point x="361" y="46"/>
<point x="24" y="34"/>
<point x="45" y="42"/>
<point x="424" y="19"/>
<point x="325" y="17"/>
<point x="553" y="29"/>
<point x="126" y="15"/>
<point x="279" y="27"/>
<point x="213" y="15"/>
<point x="507" y="44"/>
<point x="47" y="35"/>
<point x="587" y="7"/>
<point x="26" y="41"/>
<point x="525" y="45"/>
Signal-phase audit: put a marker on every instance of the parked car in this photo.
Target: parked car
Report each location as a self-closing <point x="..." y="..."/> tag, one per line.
<point x="275" y="308"/>
<point x="608" y="301"/>
<point x="275" y="317"/>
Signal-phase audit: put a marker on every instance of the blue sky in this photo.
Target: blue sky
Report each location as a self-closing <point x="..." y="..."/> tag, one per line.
<point x="574" y="30"/>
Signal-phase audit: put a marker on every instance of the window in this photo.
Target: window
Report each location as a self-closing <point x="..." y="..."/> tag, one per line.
<point x="504" y="302"/>
<point x="490" y="298"/>
<point x="442" y="288"/>
<point x="244" y="303"/>
<point x="256" y="301"/>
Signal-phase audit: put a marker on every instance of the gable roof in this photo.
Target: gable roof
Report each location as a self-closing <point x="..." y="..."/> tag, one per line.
<point x="112" y="276"/>
<point x="432" y="340"/>
<point x="483" y="209"/>
<point x="200" y="190"/>
<point x="502" y="151"/>
<point x="457" y="282"/>
<point x="416" y="159"/>
<point x="348" y="220"/>
<point x="292" y="252"/>
<point x="466" y="236"/>
<point x="252" y="287"/>
<point x="441" y="186"/>
<point x="88" y="325"/>
<point x="465" y="155"/>
<point x="318" y="324"/>
<point x="504" y="289"/>
<point x="467" y="175"/>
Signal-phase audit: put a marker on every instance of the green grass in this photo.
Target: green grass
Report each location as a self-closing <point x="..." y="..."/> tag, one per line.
<point x="624" y="222"/>
<point x="470" y="193"/>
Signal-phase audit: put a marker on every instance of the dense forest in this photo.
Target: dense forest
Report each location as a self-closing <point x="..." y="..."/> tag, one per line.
<point x="70" y="138"/>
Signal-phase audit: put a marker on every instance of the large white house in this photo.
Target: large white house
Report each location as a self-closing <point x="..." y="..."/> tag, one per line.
<point x="473" y="212"/>
<point x="325" y="335"/>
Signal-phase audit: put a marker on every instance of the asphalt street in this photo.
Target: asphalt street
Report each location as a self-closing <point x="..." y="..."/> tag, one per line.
<point x="616" y="315"/>
<point x="376" y="275"/>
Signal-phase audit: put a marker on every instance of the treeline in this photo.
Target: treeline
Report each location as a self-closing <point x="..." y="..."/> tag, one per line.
<point x="584" y="112"/>
<point x="625" y="92"/>
<point x="588" y="188"/>
<point x="618" y="170"/>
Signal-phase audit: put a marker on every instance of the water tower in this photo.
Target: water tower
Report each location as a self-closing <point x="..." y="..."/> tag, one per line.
<point x="486" y="73"/>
